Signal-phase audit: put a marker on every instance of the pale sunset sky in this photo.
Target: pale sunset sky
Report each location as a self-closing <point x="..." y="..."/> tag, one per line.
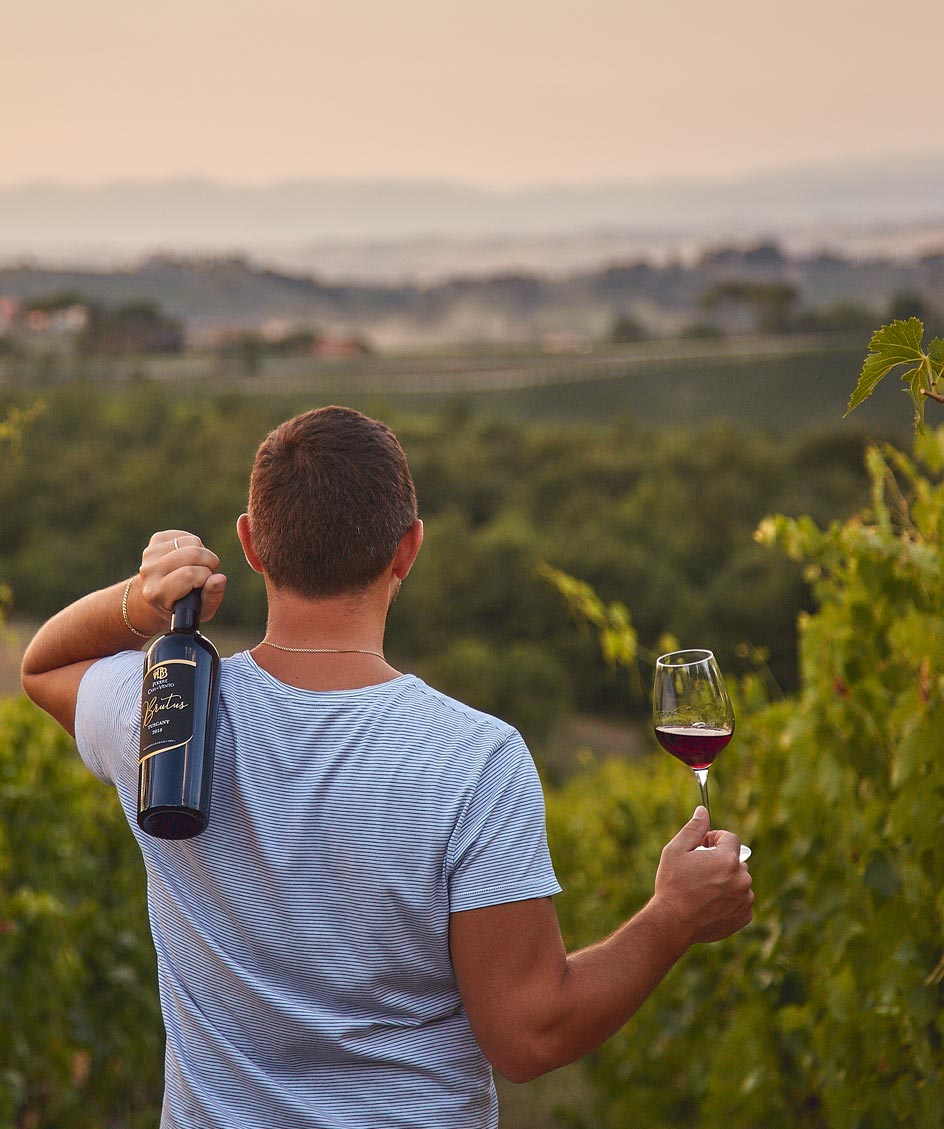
<point x="495" y="93"/>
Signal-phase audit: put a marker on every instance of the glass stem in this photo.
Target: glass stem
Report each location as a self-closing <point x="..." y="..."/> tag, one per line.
<point x="701" y="775"/>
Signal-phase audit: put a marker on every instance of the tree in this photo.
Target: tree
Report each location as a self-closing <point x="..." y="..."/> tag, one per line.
<point x="136" y="327"/>
<point x="908" y="304"/>
<point x="627" y="330"/>
<point x="770" y="307"/>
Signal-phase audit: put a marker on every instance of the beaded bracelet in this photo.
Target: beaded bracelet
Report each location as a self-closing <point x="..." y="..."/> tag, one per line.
<point x="124" y="612"/>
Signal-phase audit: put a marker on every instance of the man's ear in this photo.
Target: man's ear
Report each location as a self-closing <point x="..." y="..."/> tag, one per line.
<point x="245" y="539"/>
<point x="407" y="550"/>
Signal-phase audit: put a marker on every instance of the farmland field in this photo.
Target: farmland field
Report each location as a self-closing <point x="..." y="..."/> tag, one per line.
<point x="773" y="384"/>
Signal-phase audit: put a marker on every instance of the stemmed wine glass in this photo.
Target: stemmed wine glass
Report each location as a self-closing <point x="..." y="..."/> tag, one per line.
<point x="692" y="713"/>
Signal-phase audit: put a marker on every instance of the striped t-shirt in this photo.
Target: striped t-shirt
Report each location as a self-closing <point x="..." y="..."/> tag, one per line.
<point x="303" y="939"/>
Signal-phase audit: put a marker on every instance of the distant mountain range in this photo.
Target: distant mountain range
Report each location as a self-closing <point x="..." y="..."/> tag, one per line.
<point x="302" y="224"/>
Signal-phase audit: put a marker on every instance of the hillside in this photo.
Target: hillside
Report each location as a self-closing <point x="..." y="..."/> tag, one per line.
<point x="728" y="290"/>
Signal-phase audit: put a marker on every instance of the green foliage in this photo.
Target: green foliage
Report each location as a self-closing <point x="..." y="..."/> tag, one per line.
<point x="12" y="430"/>
<point x="661" y="522"/>
<point x="16" y="425"/>
<point x="81" y="1040"/>
<point x="612" y="624"/>
<point x="826" y="1012"/>
<point x="899" y="345"/>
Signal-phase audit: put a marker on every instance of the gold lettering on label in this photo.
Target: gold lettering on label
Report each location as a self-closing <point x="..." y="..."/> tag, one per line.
<point x="160" y="705"/>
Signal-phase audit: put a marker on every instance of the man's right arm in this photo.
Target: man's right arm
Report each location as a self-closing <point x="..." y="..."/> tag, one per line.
<point x="116" y="619"/>
<point x="534" y="1008"/>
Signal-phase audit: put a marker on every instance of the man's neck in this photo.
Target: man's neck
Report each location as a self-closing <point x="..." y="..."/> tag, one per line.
<point x="329" y="644"/>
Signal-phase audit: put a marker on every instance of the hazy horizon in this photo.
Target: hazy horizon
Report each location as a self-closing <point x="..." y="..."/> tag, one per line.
<point x="882" y="162"/>
<point x="424" y="231"/>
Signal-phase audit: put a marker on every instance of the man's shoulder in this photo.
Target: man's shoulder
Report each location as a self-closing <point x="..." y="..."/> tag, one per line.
<point x="125" y="666"/>
<point x="407" y="705"/>
<point x="451" y="711"/>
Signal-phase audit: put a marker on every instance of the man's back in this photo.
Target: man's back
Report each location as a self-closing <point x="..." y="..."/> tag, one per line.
<point x="303" y="939"/>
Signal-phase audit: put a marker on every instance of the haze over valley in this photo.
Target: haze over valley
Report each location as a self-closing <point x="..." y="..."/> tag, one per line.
<point x="424" y="230"/>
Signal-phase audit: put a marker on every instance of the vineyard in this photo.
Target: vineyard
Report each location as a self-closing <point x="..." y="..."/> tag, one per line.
<point x="814" y="560"/>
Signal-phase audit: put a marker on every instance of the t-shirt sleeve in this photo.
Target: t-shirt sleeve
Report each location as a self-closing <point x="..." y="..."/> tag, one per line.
<point x="107" y="715"/>
<point x="498" y="851"/>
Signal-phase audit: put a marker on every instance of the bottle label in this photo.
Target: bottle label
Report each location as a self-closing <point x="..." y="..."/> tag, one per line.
<point x="167" y="706"/>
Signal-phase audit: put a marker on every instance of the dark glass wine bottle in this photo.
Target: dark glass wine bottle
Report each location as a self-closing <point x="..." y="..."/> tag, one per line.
<point x="179" y="710"/>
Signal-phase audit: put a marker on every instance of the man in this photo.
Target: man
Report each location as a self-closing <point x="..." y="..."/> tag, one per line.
<point x="366" y="927"/>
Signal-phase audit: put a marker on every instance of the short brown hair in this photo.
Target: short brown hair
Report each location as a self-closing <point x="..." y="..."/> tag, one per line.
<point x="330" y="497"/>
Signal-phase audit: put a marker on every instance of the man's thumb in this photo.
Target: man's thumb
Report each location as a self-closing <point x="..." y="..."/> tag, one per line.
<point x="213" y="592"/>
<point x="693" y="834"/>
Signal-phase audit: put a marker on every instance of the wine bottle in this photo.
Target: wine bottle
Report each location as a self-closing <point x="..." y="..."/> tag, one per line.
<point x="179" y="710"/>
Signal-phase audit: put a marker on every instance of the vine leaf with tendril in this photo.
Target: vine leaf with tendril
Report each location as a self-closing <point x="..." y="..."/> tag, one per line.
<point x="901" y="344"/>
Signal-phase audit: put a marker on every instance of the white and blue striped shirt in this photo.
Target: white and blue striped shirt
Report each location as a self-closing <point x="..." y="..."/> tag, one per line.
<point x="303" y="939"/>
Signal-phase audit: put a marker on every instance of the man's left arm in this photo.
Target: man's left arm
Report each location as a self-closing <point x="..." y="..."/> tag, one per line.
<point x="533" y="1007"/>
<point x="119" y="618"/>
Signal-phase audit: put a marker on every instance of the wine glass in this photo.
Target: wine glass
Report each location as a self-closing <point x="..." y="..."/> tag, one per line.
<point x="692" y="713"/>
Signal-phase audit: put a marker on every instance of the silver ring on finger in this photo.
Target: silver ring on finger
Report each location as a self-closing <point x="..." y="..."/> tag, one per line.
<point x="176" y="545"/>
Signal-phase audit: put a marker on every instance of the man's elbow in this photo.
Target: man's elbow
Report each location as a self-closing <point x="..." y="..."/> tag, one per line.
<point x="527" y="1072"/>
<point x="30" y="683"/>
<point x="529" y="1057"/>
<point x="35" y="688"/>
<point x="31" y="672"/>
<point x="44" y="692"/>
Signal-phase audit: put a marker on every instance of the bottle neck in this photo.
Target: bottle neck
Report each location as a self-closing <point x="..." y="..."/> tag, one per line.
<point x="186" y="613"/>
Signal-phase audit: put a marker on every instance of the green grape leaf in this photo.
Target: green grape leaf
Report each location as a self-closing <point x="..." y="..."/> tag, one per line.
<point x="892" y="345"/>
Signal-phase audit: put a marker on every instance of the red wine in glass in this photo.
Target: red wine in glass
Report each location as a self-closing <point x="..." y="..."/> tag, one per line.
<point x="694" y="745"/>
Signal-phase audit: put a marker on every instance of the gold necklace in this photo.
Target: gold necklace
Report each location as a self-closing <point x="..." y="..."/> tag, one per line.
<point x="322" y="650"/>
